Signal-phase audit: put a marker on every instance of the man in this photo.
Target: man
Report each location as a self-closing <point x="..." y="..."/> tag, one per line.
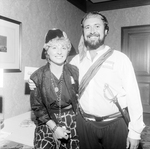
<point x="100" y="124"/>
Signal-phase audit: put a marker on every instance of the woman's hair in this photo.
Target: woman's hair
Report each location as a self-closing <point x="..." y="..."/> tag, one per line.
<point x="55" y="35"/>
<point x="93" y="13"/>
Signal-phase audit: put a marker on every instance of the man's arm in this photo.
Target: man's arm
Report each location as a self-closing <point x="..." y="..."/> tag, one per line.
<point x="134" y="104"/>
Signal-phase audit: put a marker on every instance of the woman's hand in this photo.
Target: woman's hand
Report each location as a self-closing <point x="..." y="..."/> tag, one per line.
<point x="58" y="131"/>
<point x="62" y="133"/>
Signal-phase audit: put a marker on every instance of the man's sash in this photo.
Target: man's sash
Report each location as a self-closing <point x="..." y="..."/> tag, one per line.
<point x="92" y="71"/>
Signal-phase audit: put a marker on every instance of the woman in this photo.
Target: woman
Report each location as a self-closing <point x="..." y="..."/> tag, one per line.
<point x="54" y="100"/>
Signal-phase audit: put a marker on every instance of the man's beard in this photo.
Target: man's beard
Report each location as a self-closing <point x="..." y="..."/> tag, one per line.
<point x="92" y="45"/>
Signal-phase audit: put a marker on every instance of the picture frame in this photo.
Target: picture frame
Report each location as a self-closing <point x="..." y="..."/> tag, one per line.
<point x="10" y="45"/>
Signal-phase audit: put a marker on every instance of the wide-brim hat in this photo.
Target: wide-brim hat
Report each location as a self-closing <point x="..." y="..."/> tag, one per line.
<point x="51" y="34"/>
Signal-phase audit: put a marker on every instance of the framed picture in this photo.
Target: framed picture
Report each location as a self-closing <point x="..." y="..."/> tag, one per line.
<point x="10" y="45"/>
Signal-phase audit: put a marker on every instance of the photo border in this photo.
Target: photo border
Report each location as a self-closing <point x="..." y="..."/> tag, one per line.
<point x="10" y="60"/>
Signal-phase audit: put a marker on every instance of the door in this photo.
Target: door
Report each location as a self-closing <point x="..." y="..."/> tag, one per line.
<point x="136" y="45"/>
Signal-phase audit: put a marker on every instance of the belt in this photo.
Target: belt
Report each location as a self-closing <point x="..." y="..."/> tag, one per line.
<point x="99" y="119"/>
<point x="68" y="108"/>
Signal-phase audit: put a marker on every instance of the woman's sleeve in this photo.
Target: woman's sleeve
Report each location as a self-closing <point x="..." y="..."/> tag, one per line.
<point x="38" y="107"/>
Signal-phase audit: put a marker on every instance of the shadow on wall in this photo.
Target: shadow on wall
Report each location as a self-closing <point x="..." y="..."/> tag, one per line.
<point x="1" y="104"/>
<point x="27" y="89"/>
<point x="1" y="113"/>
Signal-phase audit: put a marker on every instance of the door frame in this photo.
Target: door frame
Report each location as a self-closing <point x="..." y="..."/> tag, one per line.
<point x="143" y="82"/>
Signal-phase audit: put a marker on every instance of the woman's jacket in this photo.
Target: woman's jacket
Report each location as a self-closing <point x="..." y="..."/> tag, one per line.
<point x="40" y="97"/>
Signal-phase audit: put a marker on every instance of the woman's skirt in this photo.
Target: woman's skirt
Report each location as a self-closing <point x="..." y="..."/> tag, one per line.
<point x="43" y="138"/>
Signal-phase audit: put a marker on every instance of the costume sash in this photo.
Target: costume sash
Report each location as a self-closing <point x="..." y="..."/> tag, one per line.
<point x="92" y="71"/>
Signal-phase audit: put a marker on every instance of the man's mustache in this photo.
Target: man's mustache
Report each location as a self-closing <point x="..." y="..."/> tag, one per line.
<point x="93" y="35"/>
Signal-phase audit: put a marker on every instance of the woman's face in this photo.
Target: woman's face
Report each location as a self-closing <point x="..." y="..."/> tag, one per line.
<point x="58" y="52"/>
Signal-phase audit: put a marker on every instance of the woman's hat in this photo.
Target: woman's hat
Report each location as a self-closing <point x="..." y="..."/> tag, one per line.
<point x="53" y="33"/>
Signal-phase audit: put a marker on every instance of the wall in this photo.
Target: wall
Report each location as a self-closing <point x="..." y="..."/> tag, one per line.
<point x="37" y="16"/>
<point x="125" y="17"/>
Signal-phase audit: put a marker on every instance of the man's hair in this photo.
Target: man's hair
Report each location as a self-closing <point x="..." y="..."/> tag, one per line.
<point x="93" y="13"/>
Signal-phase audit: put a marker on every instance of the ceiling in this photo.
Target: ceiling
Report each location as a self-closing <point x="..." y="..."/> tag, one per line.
<point x="102" y="5"/>
<point x="97" y="1"/>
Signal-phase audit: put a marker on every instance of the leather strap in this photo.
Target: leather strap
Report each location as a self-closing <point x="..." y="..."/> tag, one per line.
<point x="99" y="119"/>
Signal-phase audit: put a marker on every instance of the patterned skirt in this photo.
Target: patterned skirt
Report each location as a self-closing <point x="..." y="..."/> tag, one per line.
<point x="43" y="137"/>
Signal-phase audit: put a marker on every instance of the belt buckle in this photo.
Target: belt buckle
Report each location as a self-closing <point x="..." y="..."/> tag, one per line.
<point x="90" y="119"/>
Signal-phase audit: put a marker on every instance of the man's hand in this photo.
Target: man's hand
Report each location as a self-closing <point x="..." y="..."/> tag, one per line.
<point x="132" y="143"/>
<point x="31" y="84"/>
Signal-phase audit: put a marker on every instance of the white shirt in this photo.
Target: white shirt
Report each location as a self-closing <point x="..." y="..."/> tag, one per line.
<point x="118" y="73"/>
